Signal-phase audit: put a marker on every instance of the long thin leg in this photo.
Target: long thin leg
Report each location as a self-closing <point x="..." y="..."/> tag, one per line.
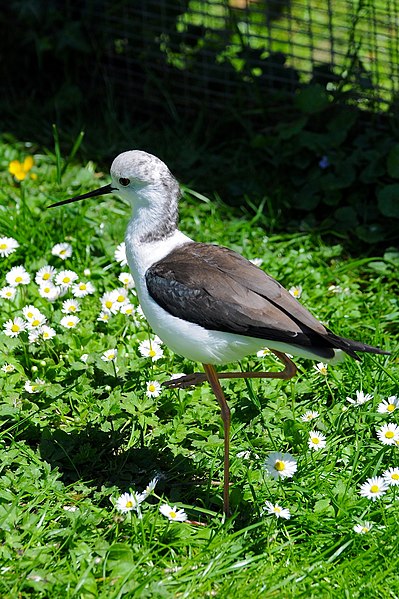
<point x="197" y="378"/>
<point x="213" y="379"/>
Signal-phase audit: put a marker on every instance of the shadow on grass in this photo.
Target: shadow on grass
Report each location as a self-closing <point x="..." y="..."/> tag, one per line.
<point x="96" y="458"/>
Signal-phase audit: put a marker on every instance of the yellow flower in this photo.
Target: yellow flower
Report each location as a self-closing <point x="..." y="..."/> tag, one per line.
<point x="20" y="170"/>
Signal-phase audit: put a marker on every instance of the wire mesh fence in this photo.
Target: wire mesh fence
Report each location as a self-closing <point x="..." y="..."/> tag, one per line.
<point x="189" y="52"/>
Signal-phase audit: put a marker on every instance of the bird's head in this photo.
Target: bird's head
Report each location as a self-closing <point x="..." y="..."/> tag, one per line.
<point x="138" y="177"/>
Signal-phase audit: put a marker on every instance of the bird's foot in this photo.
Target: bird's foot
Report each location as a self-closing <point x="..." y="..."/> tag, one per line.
<point x="188" y="380"/>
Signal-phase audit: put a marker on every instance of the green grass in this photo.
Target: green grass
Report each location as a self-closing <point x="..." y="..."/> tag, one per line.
<point x="91" y="433"/>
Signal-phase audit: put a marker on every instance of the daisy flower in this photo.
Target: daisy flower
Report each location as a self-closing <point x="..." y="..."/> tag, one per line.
<point x="8" y="368"/>
<point x="109" y="303"/>
<point x="388" y="405"/>
<point x="109" y="355"/>
<point x="17" y="276"/>
<point x="70" y="306"/>
<point x="45" y="274"/>
<point x="62" y="250"/>
<point x="126" y="279"/>
<point x="129" y="501"/>
<point x="82" y="289"/>
<point x="127" y="309"/>
<point x="153" y="389"/>
<point x="70" y="321"/>
<point x="12" y="328"/>
<point x="263" y="352"/>
<point x="309" y="415"/>
<point x="84" y="357"/>
<point x="34" y="335"/>
<point x="276" y="510"/>
<point x="295" y="291"/>
<point x="151" y="485"/>
<point x="8" y="292"/>
<point x="150" y="349"/>
<point x="120" y="295"/>
<point x="361" y="398"/>
<point x="8" y="245"/>
<point x="49" y="291"/>
<point x="373" y="488"/>
<point x="389" y="434"/>
<point x="120" y="254"/>
<point x="363" y="529"/>
<point x="66" y="278"/>
<point x="281" y="465"/>
<point x="47" y="332"/>
<point x="30" y="312"/>
<point x="35" y="387"/>
<point x="391" y="476"/>
<point x="316" y="440"/>
<point x="321" y="368"/>
<point x="36" y="322"/>
<point x="104" y="316"/>
<point x="173" y="513"/>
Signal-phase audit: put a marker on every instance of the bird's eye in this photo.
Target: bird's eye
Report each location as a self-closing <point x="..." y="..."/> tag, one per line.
<point x="124" y="182"/>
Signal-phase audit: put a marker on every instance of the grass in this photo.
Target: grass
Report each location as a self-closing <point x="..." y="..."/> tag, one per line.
<point x="91" y="433"/>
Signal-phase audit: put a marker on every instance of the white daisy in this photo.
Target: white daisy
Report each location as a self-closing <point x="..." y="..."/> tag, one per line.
<point x="12" y="328"/>
<point x="373" y="488"/>
<point x="309" y="415"/>
<point x="295" y="291"/>
<point x="62" y="250"/>
<point x="389" y="434"/>
<point x="173" y="513"/>
<point x="36" y="322"/>
<point x="70" y="306"/>
<point x="127" y="309"/>
<point x="361" y="398"/>
<point x="34" y="387"/>
<point x="151" y="485"/>
<point x="150" y="349"/>
<point x="82" y="289"/>
<point x="391" y="476"/>
<point x="45" y="274"/>
<point x="65" y="278"/>
<point x="388" y="405"/>
<point x="49" y="291"/>
<point x="121" y="296"/>
<point x="30" y="312"/>
<point x="109" y="355"/>
<point x="120" y="254"/>
<point x="276" y="510"/>
<point x="316" y="440"/>
<point x="8" y="368"/>
<point x="8" y="292"/>
<point x="281" y="465"/>
<point x="70" y="321"/>
<point x="153" y="389"/>
<point x="34" y="336"/>
<point x="364" y="528"/>
<point x="126" y="279"/>
<point x="18" y="276"/>
<point x="109" y="302"/>
<point x="263" y="352"/>
<point x="257" y="261"/>
<point x="129" y="501"/>
<point x="8" y="245"/>
<point x="321" y="368"/>
<point x="84" y="357"/>
<point x="104" y="316"/>
<point x="47" y="332"/>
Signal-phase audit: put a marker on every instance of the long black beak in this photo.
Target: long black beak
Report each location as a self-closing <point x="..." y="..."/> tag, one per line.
<point x="91" y="194"/>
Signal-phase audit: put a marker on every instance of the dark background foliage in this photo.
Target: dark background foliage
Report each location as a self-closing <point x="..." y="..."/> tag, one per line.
<point x="311" y="154"/>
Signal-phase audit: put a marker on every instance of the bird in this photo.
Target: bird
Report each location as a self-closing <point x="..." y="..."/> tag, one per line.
<point x="206" y="302"/>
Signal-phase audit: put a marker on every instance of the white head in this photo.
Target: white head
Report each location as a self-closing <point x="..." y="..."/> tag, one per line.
<point x="151" y="189"/>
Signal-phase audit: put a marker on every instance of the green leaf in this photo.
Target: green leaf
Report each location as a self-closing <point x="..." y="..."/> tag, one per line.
<point x="312" y="99"/>
<point x="393" y="162"/>
<point x="388" y="200"/>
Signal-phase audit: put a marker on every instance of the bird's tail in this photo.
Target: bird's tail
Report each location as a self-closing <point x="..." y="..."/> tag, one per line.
<point x="350" y="346"/>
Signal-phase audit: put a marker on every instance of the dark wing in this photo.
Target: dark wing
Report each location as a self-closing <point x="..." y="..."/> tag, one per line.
<point x="218" y="289"/>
